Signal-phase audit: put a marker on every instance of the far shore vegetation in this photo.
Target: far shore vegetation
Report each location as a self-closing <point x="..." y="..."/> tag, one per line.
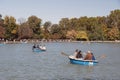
<point x="100" y="28"/>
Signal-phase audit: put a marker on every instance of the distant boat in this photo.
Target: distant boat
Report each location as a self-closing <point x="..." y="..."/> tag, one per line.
<point x="38" y="50"/>
<point x="83" y="62"/>
<point x="23" y="41"/>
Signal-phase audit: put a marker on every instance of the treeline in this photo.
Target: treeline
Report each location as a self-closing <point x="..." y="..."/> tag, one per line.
<point x="83" y="28"/>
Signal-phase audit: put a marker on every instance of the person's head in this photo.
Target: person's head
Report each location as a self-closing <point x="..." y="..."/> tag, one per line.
<point x="88" y="51"/>
<point x="79" y="51"/>
<point x="76" y="50"/>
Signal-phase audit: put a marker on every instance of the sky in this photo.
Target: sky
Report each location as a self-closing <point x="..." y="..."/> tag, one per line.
<point x="55" y="10"/>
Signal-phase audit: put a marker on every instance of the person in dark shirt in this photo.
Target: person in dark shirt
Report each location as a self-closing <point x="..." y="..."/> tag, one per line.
<point x="34" y="46"/>
<point x="93" y="58"/>
<point x="79" y="55"/>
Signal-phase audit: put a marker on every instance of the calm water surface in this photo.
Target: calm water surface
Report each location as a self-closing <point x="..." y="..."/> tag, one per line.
<point x="18" y="62"/>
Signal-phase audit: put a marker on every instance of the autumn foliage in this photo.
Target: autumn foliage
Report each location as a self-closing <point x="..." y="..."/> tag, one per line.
<point x="83" y="28"/>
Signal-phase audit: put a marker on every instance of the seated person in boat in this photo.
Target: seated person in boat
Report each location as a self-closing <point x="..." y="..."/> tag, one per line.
<point x="88" y="56"/>
<point x="40" y="46"/>
<point x="75" y="53"/>
<point x="79" y="55"/>
<point x="93" y="58"/>
<point x="37" y="46"/>
<point x="34" y="46"/>
<point x="44" y="47"/>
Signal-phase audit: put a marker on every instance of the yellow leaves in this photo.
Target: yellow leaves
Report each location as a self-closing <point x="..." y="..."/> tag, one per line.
<point x="13" y="31"/>
<point x="77" y="35"/>
<point x="82" y="35"/>
<point x="113" y="33"/>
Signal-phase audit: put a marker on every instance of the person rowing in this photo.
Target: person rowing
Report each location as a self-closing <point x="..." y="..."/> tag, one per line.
<point x="89" y="56"/>
<point x="79" y="55"/>
<point x="75" y="53"/>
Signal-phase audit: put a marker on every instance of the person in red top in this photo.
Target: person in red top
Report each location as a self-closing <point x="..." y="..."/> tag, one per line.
<point x="88" y="56"/>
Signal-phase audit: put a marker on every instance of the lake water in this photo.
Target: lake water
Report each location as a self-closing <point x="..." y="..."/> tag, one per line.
<point x="18" y="62"/>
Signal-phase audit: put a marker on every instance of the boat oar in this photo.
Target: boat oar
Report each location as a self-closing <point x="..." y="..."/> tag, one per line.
<point x="103" y="56"/>
<point x="64" y="54"/>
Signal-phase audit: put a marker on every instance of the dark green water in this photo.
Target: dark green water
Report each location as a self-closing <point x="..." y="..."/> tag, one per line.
<point x="18" y="62"/>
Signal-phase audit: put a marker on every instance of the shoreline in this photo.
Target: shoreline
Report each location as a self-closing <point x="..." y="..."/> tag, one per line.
<point x="52" y="41"/>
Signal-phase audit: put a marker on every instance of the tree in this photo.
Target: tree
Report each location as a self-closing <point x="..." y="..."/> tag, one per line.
<point x="73" y="24"/>
<point x="55" y="31"/>
<point x="10" y="25"/>
<point x="81" y="35"/>
<point x="2" y="29"/>
<point x="114" y="18"/>
<point x="71" y="34"/>
<point x="47" y="25"/>
<point x="82" y="23"/>
<point x="2" y="32"/>
<point x="34" y="23"/>
<point x="113" y="34"/>
<point x="24" y="31"/>
<point x="46" y="30"/>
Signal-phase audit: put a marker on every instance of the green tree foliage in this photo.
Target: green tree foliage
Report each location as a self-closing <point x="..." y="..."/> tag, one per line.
<point x="2" y="29"/>
<point x="34" y="23"/>
<point x="2" y="32"/>
<point x="83" y="28"/>
<point x="46" y="29"/>
<point x="114" y="19"/>
<point x="82" y="23"/>
<point x="10" y="25"/>
<point x="55" y="31"/>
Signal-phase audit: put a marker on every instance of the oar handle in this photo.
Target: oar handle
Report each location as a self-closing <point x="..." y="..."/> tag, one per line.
<point x="64" y="54"/>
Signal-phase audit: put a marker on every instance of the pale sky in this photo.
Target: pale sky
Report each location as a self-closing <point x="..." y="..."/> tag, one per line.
<point x="54" y="10"/>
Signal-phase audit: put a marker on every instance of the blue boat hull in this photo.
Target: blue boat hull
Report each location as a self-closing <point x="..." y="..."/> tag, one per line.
<point x="83" y="62"/>
<point x="1" y="44"/>
<point x="38" y="50"/>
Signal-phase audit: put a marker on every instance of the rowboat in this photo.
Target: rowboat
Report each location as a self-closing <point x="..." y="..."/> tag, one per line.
<point x="38" y="50"/>
<point x="82" y="62"/>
